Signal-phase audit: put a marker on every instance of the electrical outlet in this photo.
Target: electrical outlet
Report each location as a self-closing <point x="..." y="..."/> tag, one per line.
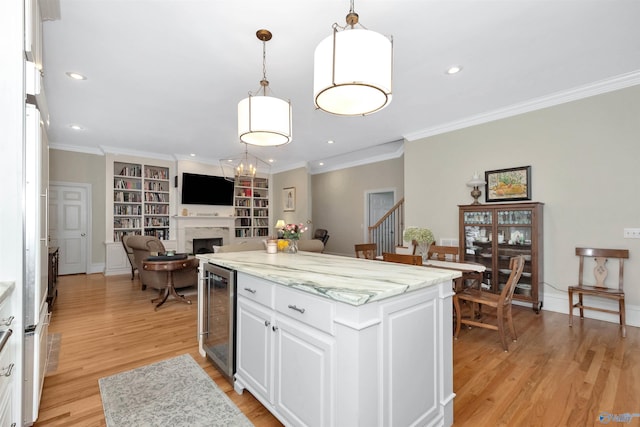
<point x="632" y="233"/>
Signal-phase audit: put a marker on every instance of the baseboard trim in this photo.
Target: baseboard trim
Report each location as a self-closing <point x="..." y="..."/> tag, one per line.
<point x="97" y="268"/>
<point x="559" y="303"/>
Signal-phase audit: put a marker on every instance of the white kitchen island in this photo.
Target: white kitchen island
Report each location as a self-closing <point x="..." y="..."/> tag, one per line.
<point x="325" y="340"/>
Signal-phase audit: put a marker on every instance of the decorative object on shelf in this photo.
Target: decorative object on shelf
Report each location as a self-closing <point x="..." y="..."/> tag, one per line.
<point x="289" y="199"/>
<point x="243" y="165"/>
<point x="353" y="70"/>
<point x="476" y="182"/>
<point x="508" y="184"/>
<point x="279" y="228"/>
<point x="423" y="237"/>
<point x="264" y="120"/>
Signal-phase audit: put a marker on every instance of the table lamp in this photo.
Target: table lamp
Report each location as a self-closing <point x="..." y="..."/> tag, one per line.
<point x="475" y="182"/>
<point x="279" y="226"/>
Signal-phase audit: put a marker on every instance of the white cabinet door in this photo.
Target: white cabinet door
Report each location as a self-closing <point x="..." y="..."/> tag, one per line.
<point x="303" y="375"/>
<point x="254" y="348"/>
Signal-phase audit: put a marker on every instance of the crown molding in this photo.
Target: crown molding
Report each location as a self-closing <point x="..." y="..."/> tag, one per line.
<point x="596" y="88"/>
<point x="395" y="149"/>
<point x="77" y="148"/>
<point x="378" y="153"/>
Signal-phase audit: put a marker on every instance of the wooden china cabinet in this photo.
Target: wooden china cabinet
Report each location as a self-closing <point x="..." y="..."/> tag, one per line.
<point x="491" y="234"/>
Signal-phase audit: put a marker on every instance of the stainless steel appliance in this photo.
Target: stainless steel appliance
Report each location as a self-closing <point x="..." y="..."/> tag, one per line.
<point x="218" y="320"/>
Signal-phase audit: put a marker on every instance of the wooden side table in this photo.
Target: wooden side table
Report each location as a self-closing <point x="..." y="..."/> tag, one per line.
<point x="169" y="267"/>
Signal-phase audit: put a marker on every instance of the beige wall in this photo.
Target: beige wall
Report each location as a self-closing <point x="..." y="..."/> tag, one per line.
<point x="584" y="167"/>
<point x="69" y="166"/>
<point x="339" y="200"/>
<point x="300" y="180"/>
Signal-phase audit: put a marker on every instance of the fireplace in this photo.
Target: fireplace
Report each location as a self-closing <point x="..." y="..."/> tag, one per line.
<point x="190" y="228"/>
<point x="205" y="246"/>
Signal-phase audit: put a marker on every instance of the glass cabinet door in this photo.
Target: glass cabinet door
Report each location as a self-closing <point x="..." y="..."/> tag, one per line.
<point x="478" y="237"/>
<point x="513" y="239"/>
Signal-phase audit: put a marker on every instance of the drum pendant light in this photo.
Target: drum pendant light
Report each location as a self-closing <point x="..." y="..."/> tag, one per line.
<point x="262" y="119"/>
<point x="353" y="70"/>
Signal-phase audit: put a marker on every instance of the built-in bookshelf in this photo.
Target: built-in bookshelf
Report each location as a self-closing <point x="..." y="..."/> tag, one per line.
<point x="251" y="206"/>
<point x="127" y="199"/>
<point x="156" y="202"/>
<point x="141" y="200"/>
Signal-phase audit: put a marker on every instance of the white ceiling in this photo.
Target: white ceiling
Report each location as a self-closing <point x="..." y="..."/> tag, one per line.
<point x="164" y="77"/>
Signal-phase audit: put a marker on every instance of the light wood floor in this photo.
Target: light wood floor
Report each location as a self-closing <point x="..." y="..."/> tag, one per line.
<point x="553" y="376"/>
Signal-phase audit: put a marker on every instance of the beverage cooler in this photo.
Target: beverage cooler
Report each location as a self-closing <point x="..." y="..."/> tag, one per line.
<point x="216" y="317"/>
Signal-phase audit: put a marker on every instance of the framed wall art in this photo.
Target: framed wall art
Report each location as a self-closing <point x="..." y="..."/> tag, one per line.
<point x="504" y="185"/>
<point x="289" y="198"/>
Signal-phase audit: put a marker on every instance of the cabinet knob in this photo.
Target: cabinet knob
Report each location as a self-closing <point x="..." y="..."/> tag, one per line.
<point x="253" y="291"/>
<point x="274" y="328"/>
<point x="267" y="323"/>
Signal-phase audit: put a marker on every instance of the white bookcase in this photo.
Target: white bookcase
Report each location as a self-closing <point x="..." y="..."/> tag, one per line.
<point x="251" y="207"/>
<point x="141" y="200"/>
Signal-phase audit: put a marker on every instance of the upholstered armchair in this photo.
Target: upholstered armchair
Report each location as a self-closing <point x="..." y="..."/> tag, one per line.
<point x="142" y="247"/>
<point x="322" y="235"/>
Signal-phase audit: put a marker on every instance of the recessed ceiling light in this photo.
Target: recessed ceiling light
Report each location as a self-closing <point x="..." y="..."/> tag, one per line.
<point x="330" y="141"/>
<point x="192" y="154"/>
<point x="454" y="69"/>
<point x="75" y="76"/>
<point x="321" y="163"/>
<point x="76" y="127"/>
<point x="271" y="160"/>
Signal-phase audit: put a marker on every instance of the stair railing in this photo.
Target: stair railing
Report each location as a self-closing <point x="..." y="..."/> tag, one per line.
<point x="387" y="232"/>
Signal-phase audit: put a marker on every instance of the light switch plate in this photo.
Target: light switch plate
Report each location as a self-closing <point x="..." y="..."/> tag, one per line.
<point x="632" y="233"/>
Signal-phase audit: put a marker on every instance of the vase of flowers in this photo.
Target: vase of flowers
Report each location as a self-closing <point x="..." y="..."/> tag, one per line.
<point x="423" y="237"/>
<point x="293" y="232"/>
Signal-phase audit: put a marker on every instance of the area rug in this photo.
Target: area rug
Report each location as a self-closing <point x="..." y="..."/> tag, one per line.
<point x="174" y="392"/>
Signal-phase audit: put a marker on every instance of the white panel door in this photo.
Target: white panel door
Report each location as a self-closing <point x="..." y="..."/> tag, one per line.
<point x="68" y="227"/>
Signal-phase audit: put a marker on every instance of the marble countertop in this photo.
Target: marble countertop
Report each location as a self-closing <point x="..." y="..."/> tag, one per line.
<point x="349" y="280"/>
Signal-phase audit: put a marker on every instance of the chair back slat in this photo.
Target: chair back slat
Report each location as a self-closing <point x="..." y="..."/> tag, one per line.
<point x="402" y="258"/>
<point x="516" y="264"/>
<point x="602" y="256"/>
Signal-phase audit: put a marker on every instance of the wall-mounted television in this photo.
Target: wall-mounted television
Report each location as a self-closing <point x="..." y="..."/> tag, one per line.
<point x="206" y="190"/>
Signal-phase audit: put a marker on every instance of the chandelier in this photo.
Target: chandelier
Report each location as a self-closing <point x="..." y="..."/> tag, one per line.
<point x="264" y="120"/>
<point x="243" y="165"/>
<point x="353" y="70"/>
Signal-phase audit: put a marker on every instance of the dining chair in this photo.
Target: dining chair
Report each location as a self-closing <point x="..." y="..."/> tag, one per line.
<point x="444" y="253"/>
<point x="599" y="289"/>
<point x="402" y="258"/>
<point x="407" y="250"/>
<point x="501" y="303"/>
<point x="366" y="250"/>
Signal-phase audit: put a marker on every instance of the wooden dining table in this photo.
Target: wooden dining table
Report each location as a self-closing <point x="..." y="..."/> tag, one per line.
<point x="469" y="270"/>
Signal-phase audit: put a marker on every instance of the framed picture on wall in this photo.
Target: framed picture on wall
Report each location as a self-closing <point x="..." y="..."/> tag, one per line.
<point x="508" y="184"/>
<point x="289" y="199"/>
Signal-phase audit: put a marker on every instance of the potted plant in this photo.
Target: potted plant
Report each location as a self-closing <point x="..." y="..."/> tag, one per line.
<point x="423" y="237"/>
